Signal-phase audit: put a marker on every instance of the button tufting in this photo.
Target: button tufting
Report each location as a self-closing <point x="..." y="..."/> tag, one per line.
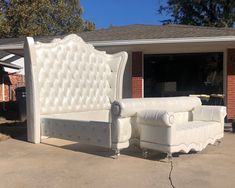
<point x="81" y="74"/>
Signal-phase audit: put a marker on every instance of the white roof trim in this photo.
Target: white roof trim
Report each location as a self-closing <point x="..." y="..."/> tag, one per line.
<point x="142" y="41"/>
<point x="163" y="41"/>
<point x="11" y="47"/>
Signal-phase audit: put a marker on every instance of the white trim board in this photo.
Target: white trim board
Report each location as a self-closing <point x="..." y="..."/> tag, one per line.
<point x="163" y="41"/>
<point x="142" y="41"/>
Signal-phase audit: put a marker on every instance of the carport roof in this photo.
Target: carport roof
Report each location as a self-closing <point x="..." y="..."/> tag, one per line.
<point x="7" y="64"/>
<point x="136" y="32"/>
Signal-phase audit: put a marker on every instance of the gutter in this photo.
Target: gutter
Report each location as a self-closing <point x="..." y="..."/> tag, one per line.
<point x="163" y="41"/>
<point x="12" y="47"/>
<point x="140" y="41"/>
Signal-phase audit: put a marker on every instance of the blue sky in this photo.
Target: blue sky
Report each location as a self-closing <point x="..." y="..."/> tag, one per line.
<point x="105" y="13"/>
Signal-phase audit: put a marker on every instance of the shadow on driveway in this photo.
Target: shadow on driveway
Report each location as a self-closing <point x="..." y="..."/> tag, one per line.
<point x="14" y="129"/>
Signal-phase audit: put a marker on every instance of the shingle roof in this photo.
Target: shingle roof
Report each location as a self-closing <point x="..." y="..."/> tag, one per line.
<point x="133" y="32"/>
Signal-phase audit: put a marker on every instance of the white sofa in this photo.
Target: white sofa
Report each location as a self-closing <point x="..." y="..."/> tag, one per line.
<point x="172" y="124"/>
<point x="74" y="92"/>
<point x="70" y="88"/>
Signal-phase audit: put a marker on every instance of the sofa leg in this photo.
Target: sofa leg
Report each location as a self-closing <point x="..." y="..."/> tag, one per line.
<point x="217" y="143"/>
<point x="145" y="153"/>
<point x="116" y="154"/>
<point x="169" y="156"/>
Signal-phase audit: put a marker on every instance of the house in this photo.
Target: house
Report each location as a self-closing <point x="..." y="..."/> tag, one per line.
<point x="167" y="60"/>
<point x="11" y="76"/>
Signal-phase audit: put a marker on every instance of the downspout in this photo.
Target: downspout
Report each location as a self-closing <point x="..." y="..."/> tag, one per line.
<point x="3" y="94"/>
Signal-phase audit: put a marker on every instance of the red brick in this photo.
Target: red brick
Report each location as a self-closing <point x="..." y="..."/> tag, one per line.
<point x="137" y="75"/>
<point x="11" y="82"/>
<point x="231" y="84"/>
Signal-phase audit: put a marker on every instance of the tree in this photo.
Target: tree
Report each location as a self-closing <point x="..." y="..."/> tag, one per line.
<point x="4" y="27"/>
<point x="218" y="13"/>
<point x="44" y="17"/>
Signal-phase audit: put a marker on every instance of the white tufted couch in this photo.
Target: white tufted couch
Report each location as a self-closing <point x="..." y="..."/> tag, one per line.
<point x="70" y="87"/>
<point x="172" y="124"/>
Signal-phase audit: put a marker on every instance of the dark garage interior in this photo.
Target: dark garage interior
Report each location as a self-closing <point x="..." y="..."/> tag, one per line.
<point x="183" y="74"/>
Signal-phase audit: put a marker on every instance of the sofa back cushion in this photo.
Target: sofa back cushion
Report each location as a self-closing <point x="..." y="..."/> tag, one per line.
<point x="209" y="113"/>
<point x="182" y="117"/>
<point x="129" y="107"/>
<point x="71" y="76"/>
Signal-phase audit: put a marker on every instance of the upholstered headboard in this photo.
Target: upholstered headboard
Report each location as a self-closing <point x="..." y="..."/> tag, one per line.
<point x="69" y="75"/>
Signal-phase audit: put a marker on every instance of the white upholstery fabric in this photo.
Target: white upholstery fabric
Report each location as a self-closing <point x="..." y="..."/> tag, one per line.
<point x="184" y="133"/>
<point x="129" y="107"/>
<point x="121" y="131"/>
<point x="192" y="136"/>
<point x="73" y="76"/>
<point x="209" y="113"/>
<point x="99" y="115"/>
<point x="70" y="87"/>
<point x="156" y="118"/>
<point x="88" y="132"/>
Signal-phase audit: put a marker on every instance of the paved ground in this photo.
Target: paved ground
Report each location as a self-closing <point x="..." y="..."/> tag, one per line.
<point x="58" y="163"/>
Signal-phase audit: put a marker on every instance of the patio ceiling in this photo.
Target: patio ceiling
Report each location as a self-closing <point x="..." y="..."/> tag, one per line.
<point x="9" y="65"/>
<point x="6" y="60"/>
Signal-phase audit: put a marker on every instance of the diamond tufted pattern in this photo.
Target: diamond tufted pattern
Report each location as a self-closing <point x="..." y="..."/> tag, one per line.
<point x="73" y="76"/>
<point x="70" y="81"/>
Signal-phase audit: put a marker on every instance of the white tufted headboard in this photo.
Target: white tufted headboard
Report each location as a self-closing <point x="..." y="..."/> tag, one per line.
<point x="69" y="75"/>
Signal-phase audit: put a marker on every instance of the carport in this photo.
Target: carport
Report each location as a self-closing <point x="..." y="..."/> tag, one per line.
<point x="143" y="42"/>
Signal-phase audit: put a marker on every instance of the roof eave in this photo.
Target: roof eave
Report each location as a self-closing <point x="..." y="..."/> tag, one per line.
<point x="163" y="41"/>
<point x="141" y="42"/>
<point x="12" y="47"/>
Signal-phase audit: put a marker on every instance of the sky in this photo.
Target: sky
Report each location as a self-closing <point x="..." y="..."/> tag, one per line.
<point x="106" y="13"/>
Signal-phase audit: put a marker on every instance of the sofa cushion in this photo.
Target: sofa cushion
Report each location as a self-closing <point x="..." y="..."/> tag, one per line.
<point x="209" y="113"/>
<point x="195" y="124"/>
<point x="182" y="117"/>
<point x="129" y="107"/>
<point x="182" y="134"/>
<point x="199" y="132"/>
<point x="155" y="118"/>
<point x="91" y="127"/>
<point x="98" y="116"/>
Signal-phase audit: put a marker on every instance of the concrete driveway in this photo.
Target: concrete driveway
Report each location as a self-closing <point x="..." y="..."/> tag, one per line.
<point x="59" y="163"/>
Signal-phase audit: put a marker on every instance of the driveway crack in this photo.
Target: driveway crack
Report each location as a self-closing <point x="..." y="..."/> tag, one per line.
<point x="170" y="174"/>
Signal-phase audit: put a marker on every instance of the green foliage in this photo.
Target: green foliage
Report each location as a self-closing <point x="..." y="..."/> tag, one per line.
<point x="44" y="17"/>
<point x="218" y="13"/>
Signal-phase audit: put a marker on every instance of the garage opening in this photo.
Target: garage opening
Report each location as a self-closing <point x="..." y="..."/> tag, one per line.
<point x="183" y="74"/>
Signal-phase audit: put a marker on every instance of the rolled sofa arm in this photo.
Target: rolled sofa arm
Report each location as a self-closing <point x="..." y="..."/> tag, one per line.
<point x="130" y="107"/>
<point x="209" y="113"/>
<point x="156" y="118"/>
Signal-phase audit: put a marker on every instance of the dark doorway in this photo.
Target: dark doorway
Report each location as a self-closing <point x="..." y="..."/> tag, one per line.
<point x="183" y="74"/>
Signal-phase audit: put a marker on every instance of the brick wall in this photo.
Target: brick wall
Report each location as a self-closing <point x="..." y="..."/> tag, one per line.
<point x="11" y="82"/>
<point x="137" y="75"/>
<point x="231" y="84"/>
